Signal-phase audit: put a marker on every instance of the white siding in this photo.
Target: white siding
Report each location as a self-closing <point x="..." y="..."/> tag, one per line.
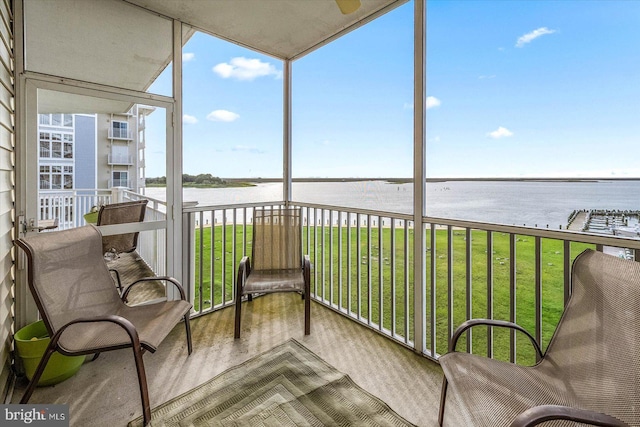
<point x="7" y="193"/>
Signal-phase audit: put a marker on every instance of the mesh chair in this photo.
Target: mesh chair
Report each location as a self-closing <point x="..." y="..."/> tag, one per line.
<point x="590" y="368"/>
<point x="83" y="311"/>
<point x="276" y="263"/>
<point x="121" y="213"/>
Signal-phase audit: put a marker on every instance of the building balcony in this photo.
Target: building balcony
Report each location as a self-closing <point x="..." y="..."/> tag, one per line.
<point x="364" y="314"/>
<point x="119" y="159"/>
<point x="121" y="134"/>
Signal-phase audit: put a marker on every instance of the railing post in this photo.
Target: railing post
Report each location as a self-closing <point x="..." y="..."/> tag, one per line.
<point x="450" y="320"/>
<point x="538" y="292"/>
<point x="512" y="296"/>
<point x="189" y="251"/>
<point x="489" y="292"/>
<point x="117" y="194"/>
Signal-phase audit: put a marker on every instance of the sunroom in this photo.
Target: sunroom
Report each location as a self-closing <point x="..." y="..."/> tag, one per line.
<point x="213" y="110"/>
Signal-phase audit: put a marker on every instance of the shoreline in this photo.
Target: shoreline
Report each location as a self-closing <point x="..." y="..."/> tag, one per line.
<point x="511" y="204"/>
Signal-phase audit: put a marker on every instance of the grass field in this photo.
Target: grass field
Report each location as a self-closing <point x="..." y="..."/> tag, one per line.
<point x="374" y="282"/>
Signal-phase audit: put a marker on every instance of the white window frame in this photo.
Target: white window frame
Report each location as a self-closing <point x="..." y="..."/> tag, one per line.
<point x="117" y="133"/>
<point x="55" y="172"/>
<point x="66" y="140"/>
<point x="114" y="179"/>
<point x="47" y="120"/>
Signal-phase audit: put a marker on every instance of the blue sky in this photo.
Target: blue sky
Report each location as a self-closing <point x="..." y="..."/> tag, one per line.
<point x="515" y="89"/>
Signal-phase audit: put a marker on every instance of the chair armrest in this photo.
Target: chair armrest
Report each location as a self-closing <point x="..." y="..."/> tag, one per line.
<point x="125" y="324"/>
<point x="244" y="269"/>
<point x="542" y="413"/>
<point x="172" y="280"/>
<point x="491" y="322"/>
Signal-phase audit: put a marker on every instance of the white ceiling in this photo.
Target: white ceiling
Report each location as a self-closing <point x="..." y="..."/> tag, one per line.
<point x="108" y="41"/>
<point x="118" y="43"/>
<point x="285" y="29"/>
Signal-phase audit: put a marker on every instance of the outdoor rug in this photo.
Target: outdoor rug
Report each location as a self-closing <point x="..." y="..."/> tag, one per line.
<point x="286" y="386"/>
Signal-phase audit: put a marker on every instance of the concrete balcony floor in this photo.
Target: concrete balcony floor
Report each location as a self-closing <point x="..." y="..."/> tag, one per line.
<point x="105" y="392"/>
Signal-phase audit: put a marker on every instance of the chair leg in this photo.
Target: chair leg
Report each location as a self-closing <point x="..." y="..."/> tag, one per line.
<point x="306" y="274"/>
<point x="142" y="382"/>
<point x="443" y="398"/>
<point x="307" y="314"/>
<point x="236" y="333"/>
<point x="307" y="309"/>
<point x="187" y="325"/>
<point x="36" y="376"/>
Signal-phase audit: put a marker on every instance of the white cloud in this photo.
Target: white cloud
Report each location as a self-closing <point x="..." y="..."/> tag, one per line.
<point x="242" y="68"/>
<point x="492" y="76"/>
<point x="501" y="132"/>
<point x="188" y="56"/>
<point x="247" y="149"/>
<point x="222" y="116"/>
<point x="529" y="37"/>
<point x="432" y="102"/>
<point x="189" y="119"/>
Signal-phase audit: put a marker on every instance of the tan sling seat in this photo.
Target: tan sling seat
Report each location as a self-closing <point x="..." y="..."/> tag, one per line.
<point x="590" y="373"/>
<point x="83" y="311"/>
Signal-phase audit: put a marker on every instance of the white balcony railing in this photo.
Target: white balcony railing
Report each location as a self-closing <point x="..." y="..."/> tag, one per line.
<point x="123" y="134"/>
<point x="70" y="206"/>
<point x="152" y="244"/>
<point x="363" y="267"/>
<point x="119" y="159"/>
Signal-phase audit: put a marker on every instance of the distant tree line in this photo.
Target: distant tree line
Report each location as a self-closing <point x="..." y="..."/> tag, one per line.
<point x="202" y="179"/>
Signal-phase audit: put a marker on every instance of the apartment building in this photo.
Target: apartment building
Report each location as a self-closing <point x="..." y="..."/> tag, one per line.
<point x="92" y="151"/>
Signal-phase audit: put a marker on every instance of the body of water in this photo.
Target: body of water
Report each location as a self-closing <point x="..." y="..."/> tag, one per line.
<point x="531" y="203"/>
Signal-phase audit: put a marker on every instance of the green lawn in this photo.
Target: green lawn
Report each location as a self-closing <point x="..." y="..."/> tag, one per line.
<point x="360" y="289"/>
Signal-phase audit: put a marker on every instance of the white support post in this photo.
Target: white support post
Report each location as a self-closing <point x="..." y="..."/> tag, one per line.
<point x="286" y="134"/>
<point x="419" y="174"/>
<point x="25" y="307"/>
<point x="174" y="165"/>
